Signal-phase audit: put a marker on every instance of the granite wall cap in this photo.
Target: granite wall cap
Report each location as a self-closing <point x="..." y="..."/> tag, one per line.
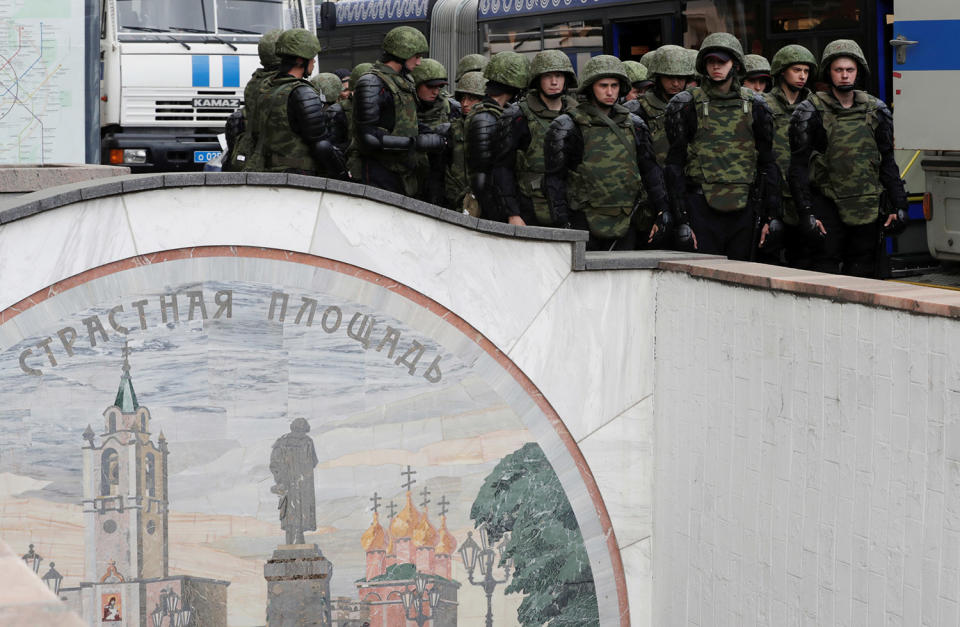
<point x="458" y="217"/>
<point x="32" y="177"/>
<point x="552" y="234"/>
<point x="499" y="228"/>
<point x="345" y="187"/>
<point x="638" y="259"/>
<point x="226" y="178"/>
<point x="184" y="179"/>
<point x="381" y="195"/>
<point x="141" y="182"/>
<point x="276" y="179"/>
<point x="305" y="181"/>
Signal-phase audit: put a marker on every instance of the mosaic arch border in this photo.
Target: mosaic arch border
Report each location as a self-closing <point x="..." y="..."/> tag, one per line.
<point x="417" y="298"/>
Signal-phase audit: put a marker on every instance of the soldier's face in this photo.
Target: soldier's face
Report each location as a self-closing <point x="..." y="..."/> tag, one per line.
<point x="758" y="85"/>
<point x="467" y="101"/>
<point x="718" y="70"/>
<point x="412" y="62"/>
<point x="427" y="93"/>
<point x="843" y="72"/>
<point x="345" y="89"/>
<point x="796" y="75"/>
<point x="633" y="94"/>
<point x="606" y="91"/>
<point x="672" y="85"/>
<point x="552" y="83"/>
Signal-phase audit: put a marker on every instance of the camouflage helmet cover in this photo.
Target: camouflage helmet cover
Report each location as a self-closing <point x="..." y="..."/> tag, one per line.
<point x="720" y="42"/>
<point x="267" y="49"/>
<point x="358" y="70"/>
<point x="328" y="84"/>
<point x="756" y="65"/>
<point x="404" y="42"/>
<point x="508" y="68"/>
<point x="552" y="61"/>
<point x="647" y="60"/>
<point x="842" y="48"/>
<point x="671" y="60"/>
<point x="636" y="71"/>
<point x="603" y="66"/>
<point x="792" y="54"/>
<point x="298" y="42"/>
<point x="429" y="70"/>
<point x="691" y="60"/>
<point x="472" y="83"/>
<point x="471" y="63"/>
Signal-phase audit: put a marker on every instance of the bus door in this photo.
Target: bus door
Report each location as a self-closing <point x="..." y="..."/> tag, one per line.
<point x="926" y="77"/>
<point x="631" y="38"/>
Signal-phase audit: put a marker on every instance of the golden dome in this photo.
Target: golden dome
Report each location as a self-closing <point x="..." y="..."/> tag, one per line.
<point x="425" y="535"/>
<point x="374" y="538"/>
<point x="392" y="547"/>
<point x="406" y="521"/>
<point x="447" y="544"/>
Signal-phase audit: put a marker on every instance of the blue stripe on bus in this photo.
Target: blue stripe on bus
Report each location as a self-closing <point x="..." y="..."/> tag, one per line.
<point x="201" y="70"/>
<point x="937" y="48"/>
<point x="231" y="71"/>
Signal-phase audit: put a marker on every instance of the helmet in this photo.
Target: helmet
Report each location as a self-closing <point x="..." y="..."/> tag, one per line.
<point x="328" y="84"/>
<point x="471" y="63"/>
<point x="358" y="70"/>
<point x="603" y="66"/>
<point x="429" y="70"/>
<point x="298" y="42"/>
<point x="721" y="42"/>
<point x="670" y="60"/>
<point x="792" y="55"/>
<point x="404" y="42"/>
<point x="552" y="61"/>
<point x="636" y="71"/>
<point x="755" y="65"/>
<point x="691" y="60"/>
<point x="647" y="60"/>
<point x="472" y="83"/>
<point x="842" y="48"/>
<point x="267" y="49"/>
<point x="509" y="68"/>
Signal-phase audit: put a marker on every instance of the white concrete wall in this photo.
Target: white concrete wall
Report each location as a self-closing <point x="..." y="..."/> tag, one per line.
<point x="807" y="461"/>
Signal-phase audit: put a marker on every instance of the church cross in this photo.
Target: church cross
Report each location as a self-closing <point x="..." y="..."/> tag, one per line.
<point x="376" y="503"/>
<point x="393" y="509"/>
<point x="425" y="493"/>
<point x="443" y="502"/>
<point x="408" y="473"/>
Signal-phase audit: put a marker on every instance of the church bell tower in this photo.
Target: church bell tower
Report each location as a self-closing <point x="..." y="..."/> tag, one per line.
<point x="125" y="492"/>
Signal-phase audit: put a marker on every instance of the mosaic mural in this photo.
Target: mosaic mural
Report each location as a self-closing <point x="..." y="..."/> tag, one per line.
<point x="183" y="441"/>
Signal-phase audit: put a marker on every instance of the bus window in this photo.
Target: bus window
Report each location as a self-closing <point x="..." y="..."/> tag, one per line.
<point x="743" y="19"/>
<point x="631" y="40"/>
<point x="788" y="16"/>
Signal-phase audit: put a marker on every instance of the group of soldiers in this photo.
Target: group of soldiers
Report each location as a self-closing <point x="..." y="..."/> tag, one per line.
<point x="705" y="150"/>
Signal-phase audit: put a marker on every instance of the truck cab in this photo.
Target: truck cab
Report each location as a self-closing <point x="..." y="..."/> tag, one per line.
<point x="172" y="71"/>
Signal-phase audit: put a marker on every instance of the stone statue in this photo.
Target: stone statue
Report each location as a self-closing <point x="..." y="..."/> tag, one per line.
<point x="292" y="461"/>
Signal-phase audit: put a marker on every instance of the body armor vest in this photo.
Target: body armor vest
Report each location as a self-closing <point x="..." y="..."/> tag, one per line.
<point x="782" y="110"/>
<point x="849" y="171"/>
<point x="607" y="182"/>
<point x="456" y="184"/>
<point x="531" y="165"/>
<point x="255" y="95"/>
<point x="404" y="118"/>
<point x="654" y="112"/>
<point x="723" y="153"/>
<point x="280" y="149"/>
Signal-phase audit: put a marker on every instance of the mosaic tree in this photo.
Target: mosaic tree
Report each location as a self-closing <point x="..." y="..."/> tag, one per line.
<point x="523" y="496"/>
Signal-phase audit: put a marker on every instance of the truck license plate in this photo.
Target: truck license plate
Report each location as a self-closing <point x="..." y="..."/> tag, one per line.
<point x="205" y="156"/>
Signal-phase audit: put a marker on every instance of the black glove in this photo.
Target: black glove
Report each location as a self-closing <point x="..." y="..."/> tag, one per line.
<point x="808" y="226"/>
<point x="775" y="233"/>
<point x="899" y="225"/>
<point x="431" y="142"/>
<point x="684" y="237"/>
<point x="665" y="225"/>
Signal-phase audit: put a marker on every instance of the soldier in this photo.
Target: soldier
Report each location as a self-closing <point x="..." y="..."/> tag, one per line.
<point x="385" y="115"/>
<point x="597" y="156"/>
<point x="519" y="161"/>
<point x="639" y="83"/>
<point x="293" y="135"/>
<point x="345" y="124"/>
<point x="695" y="77"/>
<point x="670" y="71"/>
<point x="470" y="90"/>
<point x="343" y="74"/>
<point x="792" y="66"/>
<point x="471" y="63"/>
<point x="720" y="168"/>
<point x="842" y="170"/>
<point x="757" y="75"/>
<point x="435" y="112"/>
<point x="507" y="74"/>
<point x="241" y="124"/>
<point x="328" y="84"/>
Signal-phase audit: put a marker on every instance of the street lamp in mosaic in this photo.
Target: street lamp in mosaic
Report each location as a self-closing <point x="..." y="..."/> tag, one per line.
<point x="414" y="597"/>
<point x="485" y="556"/>
<point x="53" y="579"/>
<point x="32" y="559"/>
<point x="169" y="607"/>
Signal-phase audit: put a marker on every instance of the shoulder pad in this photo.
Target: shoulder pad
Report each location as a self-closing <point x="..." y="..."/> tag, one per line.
<point x="760" y="102"/>
<point x="455" y="110"/>
<point x="335" y="108"/>
<point x="633" y="106"/>
<point x="805" y="110"/>
<point x="883" y="111"/>
<point x="512" y="112"/>
<point x="563" y="122"/>
<point x="368" y="81"/>
<point x="680" y="101"/>
<point x="638" y="122"/>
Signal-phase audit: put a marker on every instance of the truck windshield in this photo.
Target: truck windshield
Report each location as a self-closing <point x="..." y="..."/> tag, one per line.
<point x="195" y="16"/>
<point x="251" y="16"/>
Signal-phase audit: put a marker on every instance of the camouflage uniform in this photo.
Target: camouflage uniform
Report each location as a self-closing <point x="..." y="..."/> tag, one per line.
<point x="456" y="182"/>
<point x="346" y="104"/>
<point x="720" y="140"/>
<point x="841" y="163"/>
<point x="386" y="130"/>
<point x="598" y="161"/>
<point x="471" y="63"/>
<point x="519" y="163"/>
<point x="433" y="117"/>
<point x="508" y="71"/>
<point x="243" y="146"/>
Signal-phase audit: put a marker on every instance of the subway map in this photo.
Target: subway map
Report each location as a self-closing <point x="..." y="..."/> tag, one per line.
<point x="41" y="81"/>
